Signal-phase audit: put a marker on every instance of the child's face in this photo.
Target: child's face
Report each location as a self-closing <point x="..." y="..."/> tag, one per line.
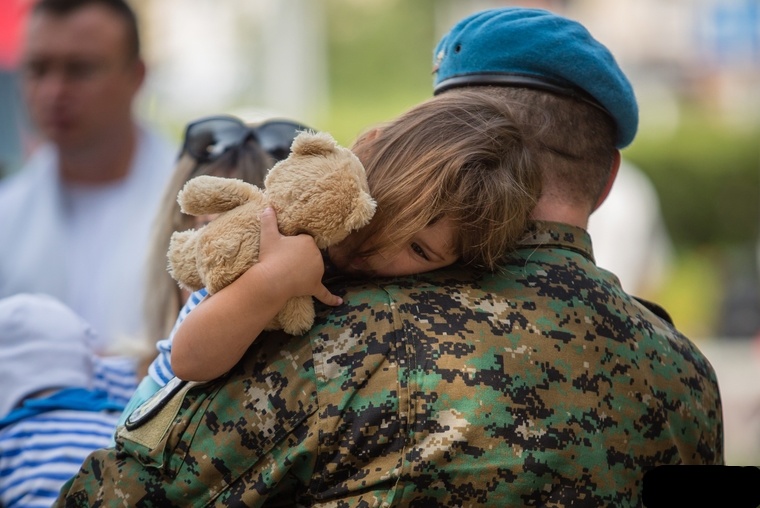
<point x="429" y="249"/>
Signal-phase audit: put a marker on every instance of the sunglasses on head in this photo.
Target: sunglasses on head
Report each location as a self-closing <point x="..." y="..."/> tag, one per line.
<point x="209" y="138"/>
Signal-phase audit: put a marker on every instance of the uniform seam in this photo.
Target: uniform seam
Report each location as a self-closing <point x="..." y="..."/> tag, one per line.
<point x="399" y="329"/>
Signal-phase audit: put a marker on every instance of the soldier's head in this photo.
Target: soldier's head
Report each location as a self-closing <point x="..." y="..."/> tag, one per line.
<point x="563" y="85"/>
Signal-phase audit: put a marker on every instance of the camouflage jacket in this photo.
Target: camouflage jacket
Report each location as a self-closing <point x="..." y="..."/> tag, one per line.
<point x="541" y="385"/>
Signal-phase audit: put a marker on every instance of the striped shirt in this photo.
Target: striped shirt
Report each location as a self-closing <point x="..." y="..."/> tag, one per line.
<point x="117" y="376"/>
<point x="161" y="368"/>
<point x="40" y="453"/>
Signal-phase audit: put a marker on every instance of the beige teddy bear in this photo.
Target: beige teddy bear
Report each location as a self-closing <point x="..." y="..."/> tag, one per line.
<point x="320" y="189"/>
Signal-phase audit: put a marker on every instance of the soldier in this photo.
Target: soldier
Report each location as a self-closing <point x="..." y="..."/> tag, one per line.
<point x="540" y="383"/>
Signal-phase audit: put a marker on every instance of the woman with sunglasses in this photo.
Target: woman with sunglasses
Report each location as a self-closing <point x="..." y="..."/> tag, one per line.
<point x="452" y="182"/>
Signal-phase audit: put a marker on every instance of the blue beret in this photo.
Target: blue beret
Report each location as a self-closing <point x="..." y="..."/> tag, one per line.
<point x="536" y="49"/>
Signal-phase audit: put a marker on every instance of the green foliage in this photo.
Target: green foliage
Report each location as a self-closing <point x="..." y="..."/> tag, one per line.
<point x="380" y="62"/>
<point x="708" y="179"/>
<point x="693" y="291"/>
<point x="377" y="49"/>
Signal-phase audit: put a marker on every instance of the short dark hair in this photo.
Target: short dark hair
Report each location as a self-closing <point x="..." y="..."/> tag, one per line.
<point x="119" y="7"/>
<point x="576" y="141"/>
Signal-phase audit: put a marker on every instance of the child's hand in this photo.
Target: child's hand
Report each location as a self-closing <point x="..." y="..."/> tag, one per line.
<point x="293" y="264"/>
<point x="218" y="332"/>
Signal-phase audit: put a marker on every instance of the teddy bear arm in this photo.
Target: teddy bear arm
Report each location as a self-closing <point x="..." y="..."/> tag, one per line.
<point x="206" y="195"/>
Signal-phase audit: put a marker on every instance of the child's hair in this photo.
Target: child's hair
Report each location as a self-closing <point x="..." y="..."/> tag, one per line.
<point x="164" y="299"/>
<point x="460" y="156"/>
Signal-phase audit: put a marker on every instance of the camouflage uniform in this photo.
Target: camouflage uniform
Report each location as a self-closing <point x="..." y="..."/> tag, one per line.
<point x="542" y="385"/>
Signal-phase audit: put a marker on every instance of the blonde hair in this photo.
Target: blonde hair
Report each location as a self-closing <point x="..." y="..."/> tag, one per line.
<point x="164" y="299"/>
<point x="460" y="156"/>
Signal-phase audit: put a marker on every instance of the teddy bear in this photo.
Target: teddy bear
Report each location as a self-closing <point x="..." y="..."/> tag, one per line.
<point x="320" y="189"/>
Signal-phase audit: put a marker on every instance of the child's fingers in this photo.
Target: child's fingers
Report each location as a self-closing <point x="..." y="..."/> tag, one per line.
<point x="269" y="224"/>
<point x="325" y="296"/>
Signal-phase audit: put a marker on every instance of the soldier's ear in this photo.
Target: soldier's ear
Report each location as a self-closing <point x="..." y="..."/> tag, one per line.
<point x="615" y="166"/>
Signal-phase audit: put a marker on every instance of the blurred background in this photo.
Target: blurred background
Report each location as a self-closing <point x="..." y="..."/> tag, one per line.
<point x="681" y="227"/>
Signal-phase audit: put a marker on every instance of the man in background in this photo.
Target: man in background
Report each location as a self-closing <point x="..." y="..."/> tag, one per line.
<point x="76" y="217"/>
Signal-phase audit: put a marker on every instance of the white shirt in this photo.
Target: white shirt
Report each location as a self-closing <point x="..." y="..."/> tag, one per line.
<point x="629" y="234"/>
<point x="85" y="246"/>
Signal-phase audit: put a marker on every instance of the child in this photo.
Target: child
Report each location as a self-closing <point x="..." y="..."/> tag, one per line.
<point x="453" y="181"/>
<point x="222" y="146"/>
<point x="50" y="417"/>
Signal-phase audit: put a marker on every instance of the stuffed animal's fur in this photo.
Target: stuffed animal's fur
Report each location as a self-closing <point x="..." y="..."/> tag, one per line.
<point x="320" y="189"/>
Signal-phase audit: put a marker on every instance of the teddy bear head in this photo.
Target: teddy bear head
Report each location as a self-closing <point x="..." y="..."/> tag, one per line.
<point x="320" y="189"/>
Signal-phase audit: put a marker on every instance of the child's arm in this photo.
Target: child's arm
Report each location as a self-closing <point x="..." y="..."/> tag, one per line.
<point x="218" y="332"/>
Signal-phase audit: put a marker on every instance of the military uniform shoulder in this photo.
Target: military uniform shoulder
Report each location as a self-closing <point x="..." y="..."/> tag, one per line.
<point x="656" y="309"/>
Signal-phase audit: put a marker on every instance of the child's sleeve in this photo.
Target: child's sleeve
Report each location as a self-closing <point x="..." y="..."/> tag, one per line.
<point x="160" y="370"/>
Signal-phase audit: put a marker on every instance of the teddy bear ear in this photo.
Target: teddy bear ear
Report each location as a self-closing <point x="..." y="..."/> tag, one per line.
<point x="313" y="143"/>
<point x="363" y="211"/>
